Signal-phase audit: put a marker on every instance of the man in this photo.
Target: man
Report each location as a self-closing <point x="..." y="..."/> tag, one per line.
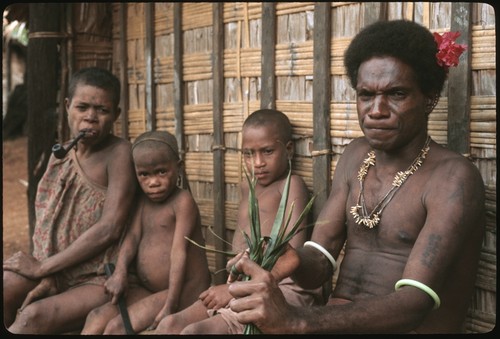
<point x="409" y="211"/>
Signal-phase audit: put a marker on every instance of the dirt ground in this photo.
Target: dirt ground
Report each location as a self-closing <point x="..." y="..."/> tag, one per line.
<point x="15" y="197"/>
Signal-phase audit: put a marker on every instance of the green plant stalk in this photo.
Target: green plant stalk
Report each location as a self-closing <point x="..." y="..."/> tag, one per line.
<point x="266" y="251"/>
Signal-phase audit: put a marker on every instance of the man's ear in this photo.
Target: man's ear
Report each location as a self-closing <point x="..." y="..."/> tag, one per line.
<point x="432" y="101"/>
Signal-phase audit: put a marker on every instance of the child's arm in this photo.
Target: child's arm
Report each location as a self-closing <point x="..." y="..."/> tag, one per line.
<point x="187" y="220"/>
<point x="117" y="283"/>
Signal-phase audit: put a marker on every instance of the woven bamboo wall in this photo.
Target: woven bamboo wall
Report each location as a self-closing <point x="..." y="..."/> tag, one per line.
<point x="152" y="95"/>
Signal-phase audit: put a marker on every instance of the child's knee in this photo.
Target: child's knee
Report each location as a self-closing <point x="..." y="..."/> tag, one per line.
<point x="94" y="323"/>
<point x="168" y="325"/>
<point x="115" y="326"/>
<point x="195" y="328"/>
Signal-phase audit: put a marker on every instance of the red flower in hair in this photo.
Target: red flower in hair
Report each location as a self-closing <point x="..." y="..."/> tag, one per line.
<point x="448" y="51"/>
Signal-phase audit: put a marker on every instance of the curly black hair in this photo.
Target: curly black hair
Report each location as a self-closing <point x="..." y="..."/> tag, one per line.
<point x="405" y="40"/>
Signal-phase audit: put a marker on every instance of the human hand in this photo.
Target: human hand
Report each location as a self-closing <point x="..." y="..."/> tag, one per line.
<point x="234" y="274"/>
<point x="216" y="297"/>
<point x="259" y="300"/>
<point x="284" y="267"/>
<point x="116" y="285"/>
<point x="159" y="317"/>
<point x="46" y="288"/>
<point x="23" y="264"/>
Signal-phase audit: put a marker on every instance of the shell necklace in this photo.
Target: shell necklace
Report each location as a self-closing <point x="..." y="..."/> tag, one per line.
<point x="359" y="212"/>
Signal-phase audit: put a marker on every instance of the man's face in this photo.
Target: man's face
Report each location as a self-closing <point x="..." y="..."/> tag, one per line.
<point x="391" y="106"/>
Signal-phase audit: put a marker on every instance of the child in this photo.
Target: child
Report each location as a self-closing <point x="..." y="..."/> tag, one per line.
<point x="171" y="272"/>
<point x="267" y="149"/>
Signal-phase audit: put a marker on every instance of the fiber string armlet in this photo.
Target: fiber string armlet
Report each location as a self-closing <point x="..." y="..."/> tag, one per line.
<point x="323" y="251"/>
<point x="420" y="286"/>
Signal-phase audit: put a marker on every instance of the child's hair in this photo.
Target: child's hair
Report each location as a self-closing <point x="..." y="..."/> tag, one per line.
<point x="405" y="40"/>
<point x="157" y="140"/>
<point x="97" y="77"/>
<point x="265" y="117"/>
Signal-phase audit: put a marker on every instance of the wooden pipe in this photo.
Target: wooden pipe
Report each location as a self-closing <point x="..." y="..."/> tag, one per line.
<point x="60" y="152"/>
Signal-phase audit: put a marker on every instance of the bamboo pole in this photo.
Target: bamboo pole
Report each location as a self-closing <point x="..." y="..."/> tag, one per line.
<point x="218" y="149"/>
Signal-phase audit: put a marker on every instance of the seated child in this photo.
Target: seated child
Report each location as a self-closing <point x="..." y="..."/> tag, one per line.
<point x="267" y="148"/>
<point x="170" y="271"/>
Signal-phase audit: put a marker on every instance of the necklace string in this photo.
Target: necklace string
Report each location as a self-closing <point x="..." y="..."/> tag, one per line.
<point x="359" y="211"/>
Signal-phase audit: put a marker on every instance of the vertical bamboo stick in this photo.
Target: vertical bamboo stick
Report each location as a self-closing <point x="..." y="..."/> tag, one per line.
<point x="123" y="69"/>
<point x="268" y="88"/>
<point x="459" y="83"/>
<point x="321" y="104"/>
<point x="218" y="151"/>
<point x="149" y="56"/>
<point x="178" y="79"/>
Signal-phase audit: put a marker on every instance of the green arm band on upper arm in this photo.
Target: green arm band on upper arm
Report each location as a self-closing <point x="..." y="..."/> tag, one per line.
<point x="420" y="286"/>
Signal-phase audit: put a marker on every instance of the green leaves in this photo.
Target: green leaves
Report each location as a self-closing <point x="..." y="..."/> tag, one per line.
<point x="265" y="251"/>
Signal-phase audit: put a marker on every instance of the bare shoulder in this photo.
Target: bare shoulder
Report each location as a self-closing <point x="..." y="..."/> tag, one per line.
<point x="452" y="185"/>
<point x="184" y="199"/>
<point x="119" y="146"/>
<point x="119" y="155"/>
<point x="297" y="182"/>
<point x="450" y="167"/>
<point x="353" y="155"/>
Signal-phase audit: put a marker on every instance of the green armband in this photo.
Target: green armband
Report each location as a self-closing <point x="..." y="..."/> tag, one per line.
<point x="420" y="286"/>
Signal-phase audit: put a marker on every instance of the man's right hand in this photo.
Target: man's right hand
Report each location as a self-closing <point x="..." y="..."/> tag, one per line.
<point x="259" y="300"/>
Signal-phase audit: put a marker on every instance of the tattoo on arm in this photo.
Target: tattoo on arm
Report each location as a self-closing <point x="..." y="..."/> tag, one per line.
<point x="431" y="249"/>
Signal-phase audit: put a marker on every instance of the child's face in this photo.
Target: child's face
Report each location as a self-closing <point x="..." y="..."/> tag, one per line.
<point x="157" y="172"/>
<point x="263" y="149"/>
<point x="91" y="108"/>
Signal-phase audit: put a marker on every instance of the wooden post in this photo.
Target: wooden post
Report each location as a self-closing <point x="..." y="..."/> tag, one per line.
<point x="321" y="105"/>
<point x="42" y="80"/>
<point x="149" y="56"/>
<point x="218" y="149"/>
<point x="178" y="80"/>
<point x="123" y="70"/>
<point x="268" y="82"/>
<point x="374" y="11"/>
<point x="459" y="82"/>
<point x="62" y="123"/>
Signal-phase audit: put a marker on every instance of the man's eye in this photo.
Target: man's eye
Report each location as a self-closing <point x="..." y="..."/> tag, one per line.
<point x="398" y="94"/>
<point x="247" y="154"/>
<point x="364" y="96"/>
<point x="268" y="151"/>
